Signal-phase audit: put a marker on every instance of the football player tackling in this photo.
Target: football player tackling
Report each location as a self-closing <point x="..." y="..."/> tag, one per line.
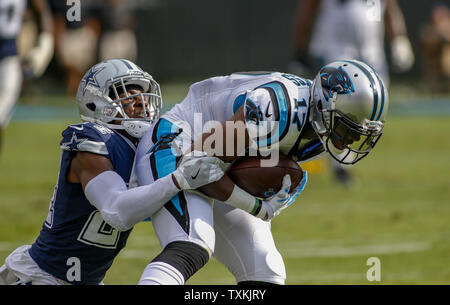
<point x="341" y="112"/>
<point x="92" y="212"/>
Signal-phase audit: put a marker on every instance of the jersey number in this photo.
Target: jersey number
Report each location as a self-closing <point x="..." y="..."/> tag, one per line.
<point x="97" y="232"/>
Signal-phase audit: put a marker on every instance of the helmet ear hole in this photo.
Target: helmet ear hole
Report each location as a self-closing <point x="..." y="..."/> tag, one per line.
<point x="91" y="106"/>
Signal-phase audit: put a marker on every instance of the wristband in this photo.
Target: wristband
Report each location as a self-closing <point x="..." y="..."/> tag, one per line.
<point x="257" y="207"/>
<point x="242" y="200"/>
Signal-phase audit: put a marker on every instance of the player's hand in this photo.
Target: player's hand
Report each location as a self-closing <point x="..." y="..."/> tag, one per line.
<point x="38" y="58"/>
<point x="197" y="169"/>
<point x="402" y="54"/>
<point x="298" y="190"/>
<point x="274" y="205"/>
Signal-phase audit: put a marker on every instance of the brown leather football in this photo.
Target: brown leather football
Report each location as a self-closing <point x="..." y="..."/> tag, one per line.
<point x="262" y="181"/>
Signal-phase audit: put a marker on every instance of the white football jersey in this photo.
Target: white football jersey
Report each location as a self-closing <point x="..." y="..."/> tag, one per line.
<point x="279" y="101"/>
<point x="11" y="14"/>
<point x="350" y="29"/>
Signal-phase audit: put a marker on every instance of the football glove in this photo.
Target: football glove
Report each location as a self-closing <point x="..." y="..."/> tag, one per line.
<point x="197" y="169"/>
<point x="37" y="60"/>
<point x="402" y="54"/>
<point x="274" y="205"/>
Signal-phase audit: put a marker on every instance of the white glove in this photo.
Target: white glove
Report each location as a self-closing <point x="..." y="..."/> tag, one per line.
<point x="197" y="169"/>
<point x="37" y="60"/>
<point x="273" y="206"/>
<point x="402" y="53"/>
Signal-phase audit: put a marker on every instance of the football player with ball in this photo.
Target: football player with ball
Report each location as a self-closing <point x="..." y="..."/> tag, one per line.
<point x="341" y="112"/>
<point x="92" y="211"/>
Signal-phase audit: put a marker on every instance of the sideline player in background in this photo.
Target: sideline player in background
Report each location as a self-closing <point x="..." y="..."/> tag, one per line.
<point x="92" y="212"/>
<point x="341" y="112"/>
<point x="34" y="62"/>
<point x="329" y="30"/>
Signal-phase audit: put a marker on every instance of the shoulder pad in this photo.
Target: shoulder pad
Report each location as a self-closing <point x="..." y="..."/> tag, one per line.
<point x="86" y="137"/>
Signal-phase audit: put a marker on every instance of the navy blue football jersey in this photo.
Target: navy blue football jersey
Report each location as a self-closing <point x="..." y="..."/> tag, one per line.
<point x="75" y="243"/>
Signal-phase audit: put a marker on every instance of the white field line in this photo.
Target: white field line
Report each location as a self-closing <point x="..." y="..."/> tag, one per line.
<point x="342" y="278"/>
<point x="312" y="249"/>
<point x="304" y="250"/>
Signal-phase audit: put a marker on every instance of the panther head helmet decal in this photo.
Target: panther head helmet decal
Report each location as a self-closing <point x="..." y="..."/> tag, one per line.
<point x="335" y="80"/>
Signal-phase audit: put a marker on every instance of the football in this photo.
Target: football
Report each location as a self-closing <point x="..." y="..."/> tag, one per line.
<point x="263" y="181"/>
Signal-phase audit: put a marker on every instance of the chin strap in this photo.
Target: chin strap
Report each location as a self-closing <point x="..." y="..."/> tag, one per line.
<point x="135" y="129"/>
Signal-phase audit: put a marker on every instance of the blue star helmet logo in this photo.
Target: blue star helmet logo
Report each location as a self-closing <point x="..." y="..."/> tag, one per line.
<point x="89" y="78"/>
<point x="335" y="80"/>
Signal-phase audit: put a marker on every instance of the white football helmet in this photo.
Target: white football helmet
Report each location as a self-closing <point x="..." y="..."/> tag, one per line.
<point x="349" y="103"/>
<point x="98" y="96"/>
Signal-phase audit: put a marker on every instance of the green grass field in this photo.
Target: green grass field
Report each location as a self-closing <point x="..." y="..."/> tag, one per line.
<point x="398" y="212"/>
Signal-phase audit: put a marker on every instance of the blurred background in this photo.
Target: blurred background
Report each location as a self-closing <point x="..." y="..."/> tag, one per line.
<point x="397" y="204"/>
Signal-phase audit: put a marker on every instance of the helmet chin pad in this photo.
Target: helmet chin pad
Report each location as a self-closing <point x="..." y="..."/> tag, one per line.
<point x="136" y="129"/>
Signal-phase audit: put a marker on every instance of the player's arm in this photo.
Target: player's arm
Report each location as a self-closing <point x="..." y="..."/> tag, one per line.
<point x="401" y="49"/>
<point x="304" y="20"/>
<point x="45" y="15"/>
<point x="306" y="13"/>
<point x="121" y="207"/>
<point x="233" y="130"/>
<point x="222" y="189"/>
<point x="227" y="191"/>
<point x="38" y="58"/>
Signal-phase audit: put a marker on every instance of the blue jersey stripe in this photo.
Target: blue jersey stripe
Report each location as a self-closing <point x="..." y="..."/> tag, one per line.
<point x="284" y="110"/>
<point x="238" y="102"/>
<point x="166" y="161"/>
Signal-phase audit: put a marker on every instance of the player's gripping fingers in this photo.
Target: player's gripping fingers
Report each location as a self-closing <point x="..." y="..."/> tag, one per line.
<point x="283" y="194"/>
<point x="197" y="171"/>
<point x="299" y="189"/>
<point x="211" y="168"/>
<point x="275" y="204"/>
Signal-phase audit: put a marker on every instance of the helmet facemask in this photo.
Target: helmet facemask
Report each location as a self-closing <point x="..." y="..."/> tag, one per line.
<point x="151" y="100"/>
<point x="113" y="111"/>
<point x="346" y="141"/>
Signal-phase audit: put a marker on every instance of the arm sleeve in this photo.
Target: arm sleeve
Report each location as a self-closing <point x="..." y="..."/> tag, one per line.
<point x="122" y="208"/>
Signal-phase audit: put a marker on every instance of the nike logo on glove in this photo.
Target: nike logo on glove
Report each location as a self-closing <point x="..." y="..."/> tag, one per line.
<point x="194" y="177"/>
